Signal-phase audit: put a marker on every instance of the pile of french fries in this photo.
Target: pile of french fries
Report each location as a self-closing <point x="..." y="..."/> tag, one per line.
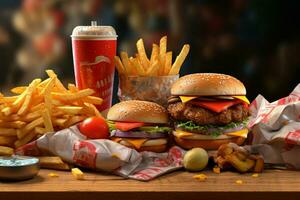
<point x="41" y="107"/>
<point x="159" y="64"/>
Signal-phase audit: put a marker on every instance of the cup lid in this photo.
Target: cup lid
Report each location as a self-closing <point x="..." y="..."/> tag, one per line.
<point x="94" y="31"/>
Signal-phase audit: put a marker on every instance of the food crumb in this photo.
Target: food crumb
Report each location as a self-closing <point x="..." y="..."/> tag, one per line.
<point x="78" y="174"/>
<point x="239" y="182"/>
<point x="53" y="175"/>
<point x="217" y="170"/>
<point x="255" y="175"/>
<point x="200" y="177"/>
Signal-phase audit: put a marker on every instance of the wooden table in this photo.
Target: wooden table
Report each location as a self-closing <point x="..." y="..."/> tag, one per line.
<point x="272" y="184"/>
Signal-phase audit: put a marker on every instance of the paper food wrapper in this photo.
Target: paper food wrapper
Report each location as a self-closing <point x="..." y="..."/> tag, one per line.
<point x="104" y="155"/>
<point x="276" y="130"/>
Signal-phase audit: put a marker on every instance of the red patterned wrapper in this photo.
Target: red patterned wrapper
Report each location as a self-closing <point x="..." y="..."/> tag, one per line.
<point x="104" y="155"/>
<point x="276" y="130"/>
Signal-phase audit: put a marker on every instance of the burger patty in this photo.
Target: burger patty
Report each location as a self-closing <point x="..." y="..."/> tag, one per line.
<point x="202" y="116"/>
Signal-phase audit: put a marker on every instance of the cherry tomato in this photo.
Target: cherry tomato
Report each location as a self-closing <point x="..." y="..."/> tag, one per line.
<point x="94" y="128"/>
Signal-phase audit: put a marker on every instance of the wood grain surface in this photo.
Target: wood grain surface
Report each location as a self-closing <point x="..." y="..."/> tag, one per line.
<point x="272" y="184"/>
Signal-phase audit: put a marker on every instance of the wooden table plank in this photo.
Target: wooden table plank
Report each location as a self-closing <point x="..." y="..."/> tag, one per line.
<point x="175" y="184"/>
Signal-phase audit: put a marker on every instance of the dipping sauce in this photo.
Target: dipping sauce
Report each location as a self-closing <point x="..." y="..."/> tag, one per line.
<point x="16" y="161"/>
<point x="17" y="168"/>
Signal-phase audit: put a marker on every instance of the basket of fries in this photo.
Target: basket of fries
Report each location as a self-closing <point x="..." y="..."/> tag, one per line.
<point x="141" y="78"/>
<point x="41" y="107"/>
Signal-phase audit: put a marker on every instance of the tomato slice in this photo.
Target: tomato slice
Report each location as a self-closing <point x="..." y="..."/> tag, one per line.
<point x="126" y="126"/>
<point x="216" y="106"/>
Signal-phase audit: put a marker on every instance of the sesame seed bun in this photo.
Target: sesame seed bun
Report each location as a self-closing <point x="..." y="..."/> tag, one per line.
<point x="208" y="84"/>
<point x="138" y="111"/>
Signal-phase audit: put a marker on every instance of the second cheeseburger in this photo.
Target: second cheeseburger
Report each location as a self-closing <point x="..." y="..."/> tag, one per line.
<point x="208" y="110"/>
<point x="140" y="125"/>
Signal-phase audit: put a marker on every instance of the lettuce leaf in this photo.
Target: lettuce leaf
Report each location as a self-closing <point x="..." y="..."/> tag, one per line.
<point x="155" y="129"/>
<point x="217" y="130"/>
<point x="149" y="129"/>
<point x="111" y="125"/>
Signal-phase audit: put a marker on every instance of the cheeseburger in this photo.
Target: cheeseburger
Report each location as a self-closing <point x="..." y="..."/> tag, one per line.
<point x="208" y="110"/>
<point x="140" y="125"/>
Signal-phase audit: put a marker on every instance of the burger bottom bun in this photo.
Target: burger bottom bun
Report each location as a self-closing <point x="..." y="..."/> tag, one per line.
<point x="207" y="144"/>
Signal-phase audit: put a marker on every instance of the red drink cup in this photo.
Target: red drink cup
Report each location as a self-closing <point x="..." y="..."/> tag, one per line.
<point x="94" y="48"/>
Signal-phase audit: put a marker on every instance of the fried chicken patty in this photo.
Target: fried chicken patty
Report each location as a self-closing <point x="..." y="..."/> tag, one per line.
<point x="202" y="116"/>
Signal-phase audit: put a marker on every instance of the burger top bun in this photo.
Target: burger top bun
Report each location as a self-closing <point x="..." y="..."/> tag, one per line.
<point x="138" y="111"/>
<point x="208" y="84"/>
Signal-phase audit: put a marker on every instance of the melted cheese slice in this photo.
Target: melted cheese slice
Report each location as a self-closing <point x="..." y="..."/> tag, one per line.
<point x="243" y="98"/>
<point x="181" y="134"/>
<point x="242" y="133"/>
<point x="186" y="98"/>
<point x="137" y="143"/>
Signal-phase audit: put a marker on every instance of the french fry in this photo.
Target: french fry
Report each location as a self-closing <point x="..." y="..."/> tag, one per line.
<point x="8" y="99"/>
<point x="93" y="100"/>
<point x="179" y="60"/>
<point x="74" y="120"/>
<point x="13" y="124"/>
<point x="21" y="89"/>
<point x="135" y="63"/>
<point x="72" y="96"/>
<point x="7" y="141"/>
<point x="31" y="116"/>
<point x="72" y="88"/>
<point x="28" y="96"/>
<point x="8" y="132"/>
<point x="40" y="130"/>
<point x="10" y="118"/>
<point x="18" y="90"/>
<point x="15" y="105"/>
<point x="37" y="107"/>
<point x="39" y="121"/>
<point x="53" y="162"/>
<point x="168" y="63"/>
<point x="142" y="53"/>
<point x="93" y="109"/>
<point x="44" y="82"/>
<point x="125" y="59"/>
<point x="60" y="121"/>
<point x="58" y="84"/>
<point x="126" y="63"/>
<point x="47" y="94"/>
<point x="153" y="70"/>
<point x="24" y="140"/>
<point x="162" y="51"/>
<point x="154" y="54"/>
<point x="47" y="120"/>
<point x="56" y="102"/>
<point x="121" y="69"/>
<point x="6" y="151"/>
<point x="74" y="110"/>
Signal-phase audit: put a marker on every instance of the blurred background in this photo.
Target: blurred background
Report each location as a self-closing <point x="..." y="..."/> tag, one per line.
<point x="258" y="41"/>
